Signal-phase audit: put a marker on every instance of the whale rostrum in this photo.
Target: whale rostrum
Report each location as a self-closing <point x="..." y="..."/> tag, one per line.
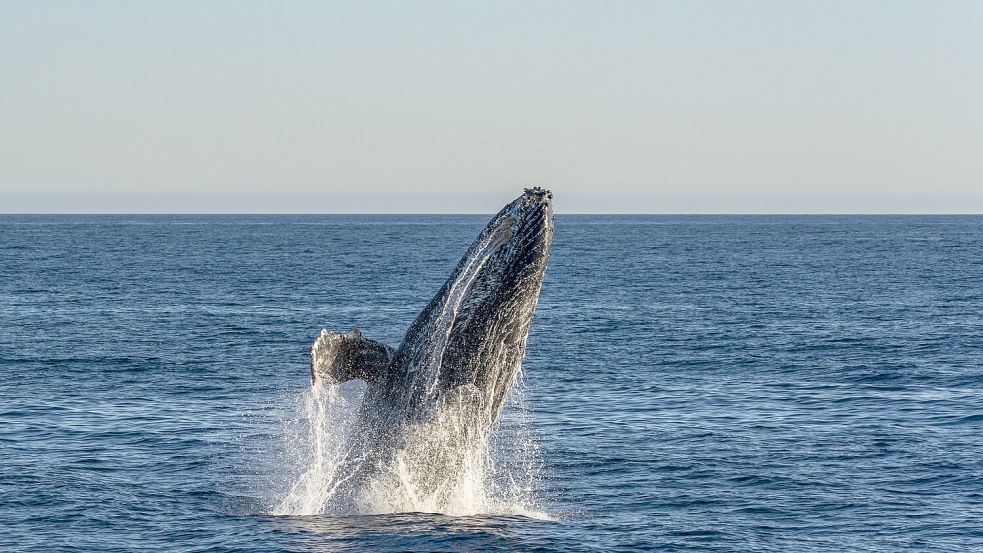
<point x="458" y="360"/>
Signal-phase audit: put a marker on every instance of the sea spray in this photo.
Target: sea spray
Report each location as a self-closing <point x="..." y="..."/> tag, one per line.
<point x="441" y="466"/>
<point x="316" y="440"/>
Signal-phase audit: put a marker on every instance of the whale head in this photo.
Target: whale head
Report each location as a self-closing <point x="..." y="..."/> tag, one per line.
<point x="471" y="338"/>
<point x="508" y="259"/>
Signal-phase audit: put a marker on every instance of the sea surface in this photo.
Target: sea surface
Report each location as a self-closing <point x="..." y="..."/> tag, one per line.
<point x="692" y="383"/>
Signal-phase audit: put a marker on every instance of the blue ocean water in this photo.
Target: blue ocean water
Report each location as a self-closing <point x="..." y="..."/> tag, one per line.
<point x="692" y="383"/>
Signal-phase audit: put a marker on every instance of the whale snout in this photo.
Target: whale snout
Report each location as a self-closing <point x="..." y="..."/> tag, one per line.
<point x="535" y="209"/>
<point x="530" y="221"/>
<point x="534" y="205"/>
<point x="532" y="217"/>
<point x="537" y="195"/>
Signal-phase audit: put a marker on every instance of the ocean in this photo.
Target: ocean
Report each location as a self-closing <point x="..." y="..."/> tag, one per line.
<point x="691" y="383"/>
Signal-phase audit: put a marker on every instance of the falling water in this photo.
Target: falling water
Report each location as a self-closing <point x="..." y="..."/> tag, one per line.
<point x="315" y="441"/>
<point x="434" y="471"/>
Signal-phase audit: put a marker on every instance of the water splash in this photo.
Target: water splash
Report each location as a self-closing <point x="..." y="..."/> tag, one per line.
<point x="441" y="467"/>
<point x="316" y="444"/>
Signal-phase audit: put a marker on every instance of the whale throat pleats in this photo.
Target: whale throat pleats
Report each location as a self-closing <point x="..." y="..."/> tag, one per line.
<point x="338" y="358"/>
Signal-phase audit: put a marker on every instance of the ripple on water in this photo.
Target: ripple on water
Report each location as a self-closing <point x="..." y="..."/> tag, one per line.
<point x="692" y="383"/>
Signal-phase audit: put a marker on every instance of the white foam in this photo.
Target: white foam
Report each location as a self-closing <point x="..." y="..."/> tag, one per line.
<point x="442" y="467"/>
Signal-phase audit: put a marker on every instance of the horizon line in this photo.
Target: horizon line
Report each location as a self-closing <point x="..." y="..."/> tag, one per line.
<point x="475" y="213"/>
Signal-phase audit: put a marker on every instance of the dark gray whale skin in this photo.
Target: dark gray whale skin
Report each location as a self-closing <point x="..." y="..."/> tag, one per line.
<point x="464" y="350"/>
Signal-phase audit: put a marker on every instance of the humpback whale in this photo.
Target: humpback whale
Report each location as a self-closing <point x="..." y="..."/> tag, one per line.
<point x="431" y="401"/>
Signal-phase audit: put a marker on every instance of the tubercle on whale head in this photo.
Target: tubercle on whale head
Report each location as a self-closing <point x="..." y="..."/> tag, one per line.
<point x="538" y="192"/>
<point x="533" y="198"/>
<point x="532" y="210"/>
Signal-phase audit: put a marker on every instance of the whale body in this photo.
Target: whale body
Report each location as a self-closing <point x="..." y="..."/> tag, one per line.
<point x="430" y="403"/>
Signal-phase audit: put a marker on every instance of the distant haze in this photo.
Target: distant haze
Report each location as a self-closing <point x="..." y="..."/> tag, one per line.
<point x="688" y="107"/>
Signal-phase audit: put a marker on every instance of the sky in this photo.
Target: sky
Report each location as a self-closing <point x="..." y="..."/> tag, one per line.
<point x="454" y="107"/>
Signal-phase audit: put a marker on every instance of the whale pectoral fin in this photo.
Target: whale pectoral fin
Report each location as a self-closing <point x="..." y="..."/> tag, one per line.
<point x="341" y="357"/>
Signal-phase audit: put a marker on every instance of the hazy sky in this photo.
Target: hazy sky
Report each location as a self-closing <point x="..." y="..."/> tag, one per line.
<point x="859" y="106"/>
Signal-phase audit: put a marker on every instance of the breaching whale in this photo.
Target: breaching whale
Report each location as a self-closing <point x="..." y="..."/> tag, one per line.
<point x="429" y="401"/>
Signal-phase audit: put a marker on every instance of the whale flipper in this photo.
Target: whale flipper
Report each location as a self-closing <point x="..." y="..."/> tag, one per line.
<point x="342" y="357"/>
